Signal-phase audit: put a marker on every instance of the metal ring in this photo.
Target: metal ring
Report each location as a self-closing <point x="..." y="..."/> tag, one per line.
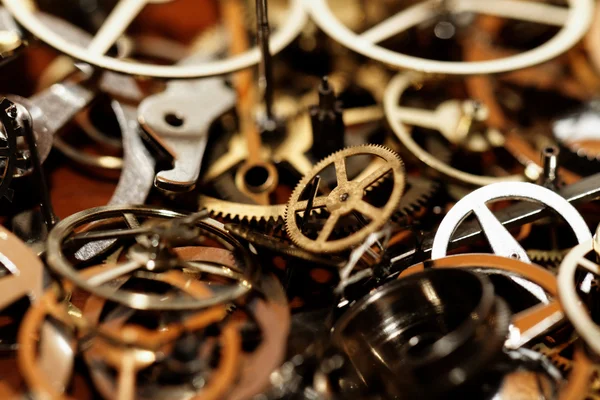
<point x="574" y="26"/>
<point x="59" y="263"/>
<point x="570" y="300"/>
<point x="393" y="93"/>
<point x="499" y="238"/>
<point x="527" y="324"/>
<point x="290" y="28"/>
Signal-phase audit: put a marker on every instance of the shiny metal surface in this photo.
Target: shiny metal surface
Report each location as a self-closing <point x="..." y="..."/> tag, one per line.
<point x="501" y="241"/>
<point x="178" y="120"/>
<point x="405" y="330"/>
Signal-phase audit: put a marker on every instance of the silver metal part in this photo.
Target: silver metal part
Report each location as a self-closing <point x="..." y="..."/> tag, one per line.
<point x="178" y="119"/>
<point x="501" y="241"/>
<point x="550" y="165"/>
<point x="54" y="107"/>
<point x="586" y="190"/>
<point x="115" y="84"/>
<point x="137" y="175"/>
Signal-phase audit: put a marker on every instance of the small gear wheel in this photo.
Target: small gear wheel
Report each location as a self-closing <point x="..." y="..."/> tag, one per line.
<point x="547" y="258"/>
<point x="349" y="198"/>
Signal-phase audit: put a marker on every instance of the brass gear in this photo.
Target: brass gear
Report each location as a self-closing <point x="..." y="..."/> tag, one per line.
<point x="548" y="258"/>
<point x="346" y="198"/>
<point x="240" y="212"/>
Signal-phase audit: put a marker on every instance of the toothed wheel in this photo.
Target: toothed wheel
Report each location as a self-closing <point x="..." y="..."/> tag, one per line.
<point x="417" y="196"/>
<point x="348" y="199"/>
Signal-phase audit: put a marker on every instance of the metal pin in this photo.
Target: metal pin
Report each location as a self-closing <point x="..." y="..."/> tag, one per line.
<point x="312" y="193"/>
<point x="266" y="69"/>
<point x="550" y="167"/>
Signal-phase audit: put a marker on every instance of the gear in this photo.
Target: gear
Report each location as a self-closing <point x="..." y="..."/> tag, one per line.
<point x="547" y="258"/>
<point x="240" y="212"/>
<point x="281" y="246"/>
<point x="346" y="199"/>
<point x="419" y="192"/>
<point x="554" y="354"/>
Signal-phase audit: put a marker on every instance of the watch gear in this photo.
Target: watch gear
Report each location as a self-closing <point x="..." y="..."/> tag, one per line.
<point x="419" y="191"/>
<point x="240" y="212"/>
<point x="346" y="199"/>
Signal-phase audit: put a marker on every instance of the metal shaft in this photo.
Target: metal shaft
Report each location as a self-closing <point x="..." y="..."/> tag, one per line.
<point x="266" y="69"/>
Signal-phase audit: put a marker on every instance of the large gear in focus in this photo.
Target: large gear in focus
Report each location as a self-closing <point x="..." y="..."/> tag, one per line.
<point x="347" y="198"/>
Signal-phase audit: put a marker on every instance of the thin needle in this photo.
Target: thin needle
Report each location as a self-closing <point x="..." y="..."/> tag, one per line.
<point x="266" y="69"/>
<point x="314" y="187"/>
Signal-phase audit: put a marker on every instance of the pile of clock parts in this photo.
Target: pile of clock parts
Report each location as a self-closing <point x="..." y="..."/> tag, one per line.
<point x="299" y="199"/>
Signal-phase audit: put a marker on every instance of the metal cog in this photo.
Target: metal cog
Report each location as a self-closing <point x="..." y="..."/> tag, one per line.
<point x="234" y="206"/>
<point x="239" y="212"/>
<point x="546" y="257"/>
<point x="281" y="246"/>
<point x="420" y="191"/>
<point x="346" y="198"/>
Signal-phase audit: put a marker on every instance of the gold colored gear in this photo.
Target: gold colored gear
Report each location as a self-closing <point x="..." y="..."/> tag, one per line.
<point x="345" y="198"/>
<point x="232" y="211"/>
<point x="293" y="151"/>
<point x="554" y="256"/>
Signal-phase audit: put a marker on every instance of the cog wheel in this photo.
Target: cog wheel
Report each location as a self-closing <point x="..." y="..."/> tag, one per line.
<point x="239" y="212"/>
<point x="418" y="194"/>
<point x="553" y="354"/>
<point x="547" y="258"/>
<point x="349" y="198"/>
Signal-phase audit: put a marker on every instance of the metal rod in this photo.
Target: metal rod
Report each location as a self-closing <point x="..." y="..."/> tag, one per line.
<point x="263" y="31"/>
<point x="314" y="188"/>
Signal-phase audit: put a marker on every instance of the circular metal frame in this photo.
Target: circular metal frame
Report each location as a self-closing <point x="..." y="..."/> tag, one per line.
<point x="570" y="300"/>
<point x="501" y="241"/>
<point x="574" y="26"/>
<point x="290" y="28"/>
<point x="393" y="94"/>
<point x="59" y="263"/>
<point x="527" y="324"/>
<point x="378" y="329"/>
